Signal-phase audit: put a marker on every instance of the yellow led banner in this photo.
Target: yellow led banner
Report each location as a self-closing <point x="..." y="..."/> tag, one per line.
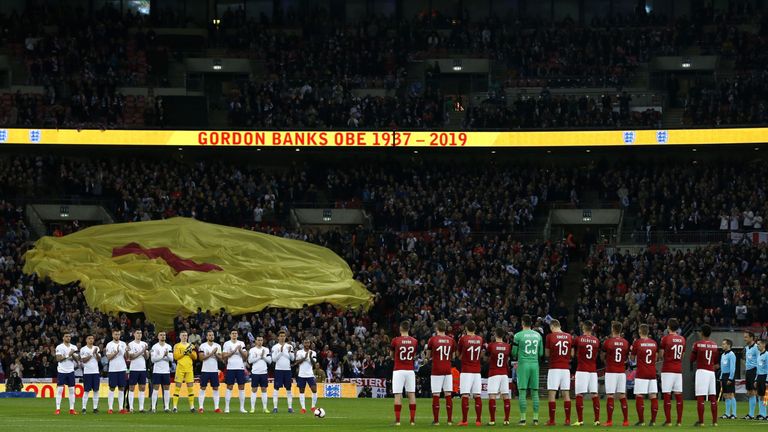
<point x="355" y="139"/>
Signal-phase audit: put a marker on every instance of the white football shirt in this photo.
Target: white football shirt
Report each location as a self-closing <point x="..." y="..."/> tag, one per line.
<point x="67" y="365"/>
<point x="259" y="359"/>
<point x="117" y="364"/>
<point x="282" y="356"/>
<point x="162" y="356"/>
<point x="235" y="361"/>
<point x="91" y="366"/>
<point x="211" y="364"/>
<point x="305" y="367"/>
<point x="139" y="363"/>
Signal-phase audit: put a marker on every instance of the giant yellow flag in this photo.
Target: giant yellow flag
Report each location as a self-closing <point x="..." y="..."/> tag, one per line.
<point x="179" y="264"/>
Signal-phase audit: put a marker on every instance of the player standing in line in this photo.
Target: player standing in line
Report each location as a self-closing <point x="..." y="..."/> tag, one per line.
<point x="528" y="347"/>
<point x="499" y="353"/>
<point x="66" y="356"/>
<point x="403" y="377"/>
<point x="441" y="349"/>
<point x="209" y="353"/>
<point x="306" y="359"/>
<point x="586" y="350"/>
<point x="751" y="352"/>
<point x="234" y="354"/>
<point x="558" y="351"/>
<point x="727" y="379"/>
<point x="162" y="357"/>
<point x="645" y="352"/>
<point x="704" y="354"/>
<point x="90" y="357"/>
<point x="470" y="381"/>
<point x="616" y="351"/>
<point x="259" y="359"/>
<point x="762" y="373"/>
<point x="137" y="354"/>
<point x="116" y="355"/>
<point x="282" y="355"/>
<point x="185" y="354"/>
<point x="672" y="350"/>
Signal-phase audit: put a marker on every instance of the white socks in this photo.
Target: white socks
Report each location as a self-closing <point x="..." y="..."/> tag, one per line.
<point x="154" y="400"/>
<point x="141" y="401"/>
<point x="130" y="400"/>
<point x="290" y="400"/>
<point x="264" y="398"/>
<point x="85" y="399"/>
<point x="120" y="398"/>
<point x="302" y="401"/>
<point x="201" y="397"/>
<point x="216" y="398"/>
<point x="167" y="398"/>
<point x="241" y="393"/>
<point x="227" y="397"/>
<point x="274" y="399"/>
<point x="314" y="400"/>
<point x="59" y="393"/>
<point x="111" y="398"/>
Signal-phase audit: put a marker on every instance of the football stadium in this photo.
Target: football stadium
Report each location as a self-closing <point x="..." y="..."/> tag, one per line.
<point x="378" y="214"/>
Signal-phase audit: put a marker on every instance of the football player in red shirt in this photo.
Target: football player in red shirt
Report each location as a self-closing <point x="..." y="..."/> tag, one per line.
<point x="615" y="353"/>
<point x="498" y="375"/>
<point x="645" y="352"/>
<point x="672" y="349"/>
<point x="587" y="348"/>
<point x="558" y="350"/>
<point x="441" y="348"/>
<point x="706" y="355"/>
<point x="404" y="353"/>
<point x="470" y="384"/>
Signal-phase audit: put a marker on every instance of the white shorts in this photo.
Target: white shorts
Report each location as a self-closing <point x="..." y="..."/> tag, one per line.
<point x="403" y="379"/>
<point x="558" y="379"/>
<point x="671" y="382"/>
<point x="586" y="382"/>
<point x="615" y="382"/>
<point x="646" y="386"/>
<point x="470" y="383"/>
<point x="705" y="383"/>
<point x="498" y="384"/>
<point x="442" y="383"/>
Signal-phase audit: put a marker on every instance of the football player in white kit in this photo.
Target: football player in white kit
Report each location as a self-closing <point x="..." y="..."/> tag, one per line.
<point x="259" y="358"/>
<point x="306" y="359"/>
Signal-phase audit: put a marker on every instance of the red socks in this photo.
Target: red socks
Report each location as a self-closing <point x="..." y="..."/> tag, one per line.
<point x="640" y="406"/>
<point x="492" y="409"/>
<point x="624" y="408"/>
<point x="667" y="408"/>
<point x="478" y="407"/>
<point x="507" y="406"/>
<point x="679" y="402"/>
<point x="713" y="407"/>
<point x="580" y="408"/>
<point x="567" y="411"/>
<point x="436" y="408"/>
<point x="412" y="407"/>
<point x="609" y="408"/>
<point x="700" y="408"/>
<point x="464" y="408"/>
<point x="596" y="407"/>
<point x="398" y="408"/>
<point x="654" y="409"/>
<point x="449" y="407"/>
<point x="552" y="409"/>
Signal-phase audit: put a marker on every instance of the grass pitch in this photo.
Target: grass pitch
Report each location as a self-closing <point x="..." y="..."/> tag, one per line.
<point x="356" y="415"/>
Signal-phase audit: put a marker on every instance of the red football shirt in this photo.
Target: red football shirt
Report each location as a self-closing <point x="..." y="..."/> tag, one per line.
<point x="587" y="349"/>
<point x="498" y="358"/>
<point x="674" y="347"/>
<point x="441" y="348"/>
<point x="470" y="347"/>
<point x="559" y="346"/>
<point x="404" y="352"/>
<point x="706" y="355"/>
<point x="645" y="349"/>
<point x="616" y="353"/>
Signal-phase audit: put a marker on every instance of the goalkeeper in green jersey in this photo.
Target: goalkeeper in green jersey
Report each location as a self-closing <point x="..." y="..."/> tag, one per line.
<point x="528" y="348"/>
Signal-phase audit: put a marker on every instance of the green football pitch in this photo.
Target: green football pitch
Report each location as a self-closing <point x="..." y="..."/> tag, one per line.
<point x="356" y="415"/>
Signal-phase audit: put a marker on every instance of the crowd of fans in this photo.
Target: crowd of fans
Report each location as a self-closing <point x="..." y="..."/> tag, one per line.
<point x="722" y="285"/>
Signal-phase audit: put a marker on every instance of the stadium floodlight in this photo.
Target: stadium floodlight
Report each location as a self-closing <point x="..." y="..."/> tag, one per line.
<point x="457" y="65"/>
<point x="586" y="215"/>
<point x="216" y="64"/>
<point x="327" y="214"/>
<point x="64" y="211"/>
<point x="216" y="22"/>
<point x="685" y="63"/>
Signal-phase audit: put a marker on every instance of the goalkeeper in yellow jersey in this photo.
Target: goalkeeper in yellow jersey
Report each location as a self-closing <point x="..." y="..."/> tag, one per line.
<point x="185" y="354"/>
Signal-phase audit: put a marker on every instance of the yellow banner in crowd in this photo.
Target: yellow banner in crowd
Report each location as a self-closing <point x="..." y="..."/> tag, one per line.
<point x="376" y="139"/>
<point x="340" y="390"/>
<point x="172" y="266"/>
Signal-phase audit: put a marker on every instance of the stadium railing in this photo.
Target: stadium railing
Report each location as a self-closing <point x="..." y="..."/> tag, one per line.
<point x="679" y="237"/>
